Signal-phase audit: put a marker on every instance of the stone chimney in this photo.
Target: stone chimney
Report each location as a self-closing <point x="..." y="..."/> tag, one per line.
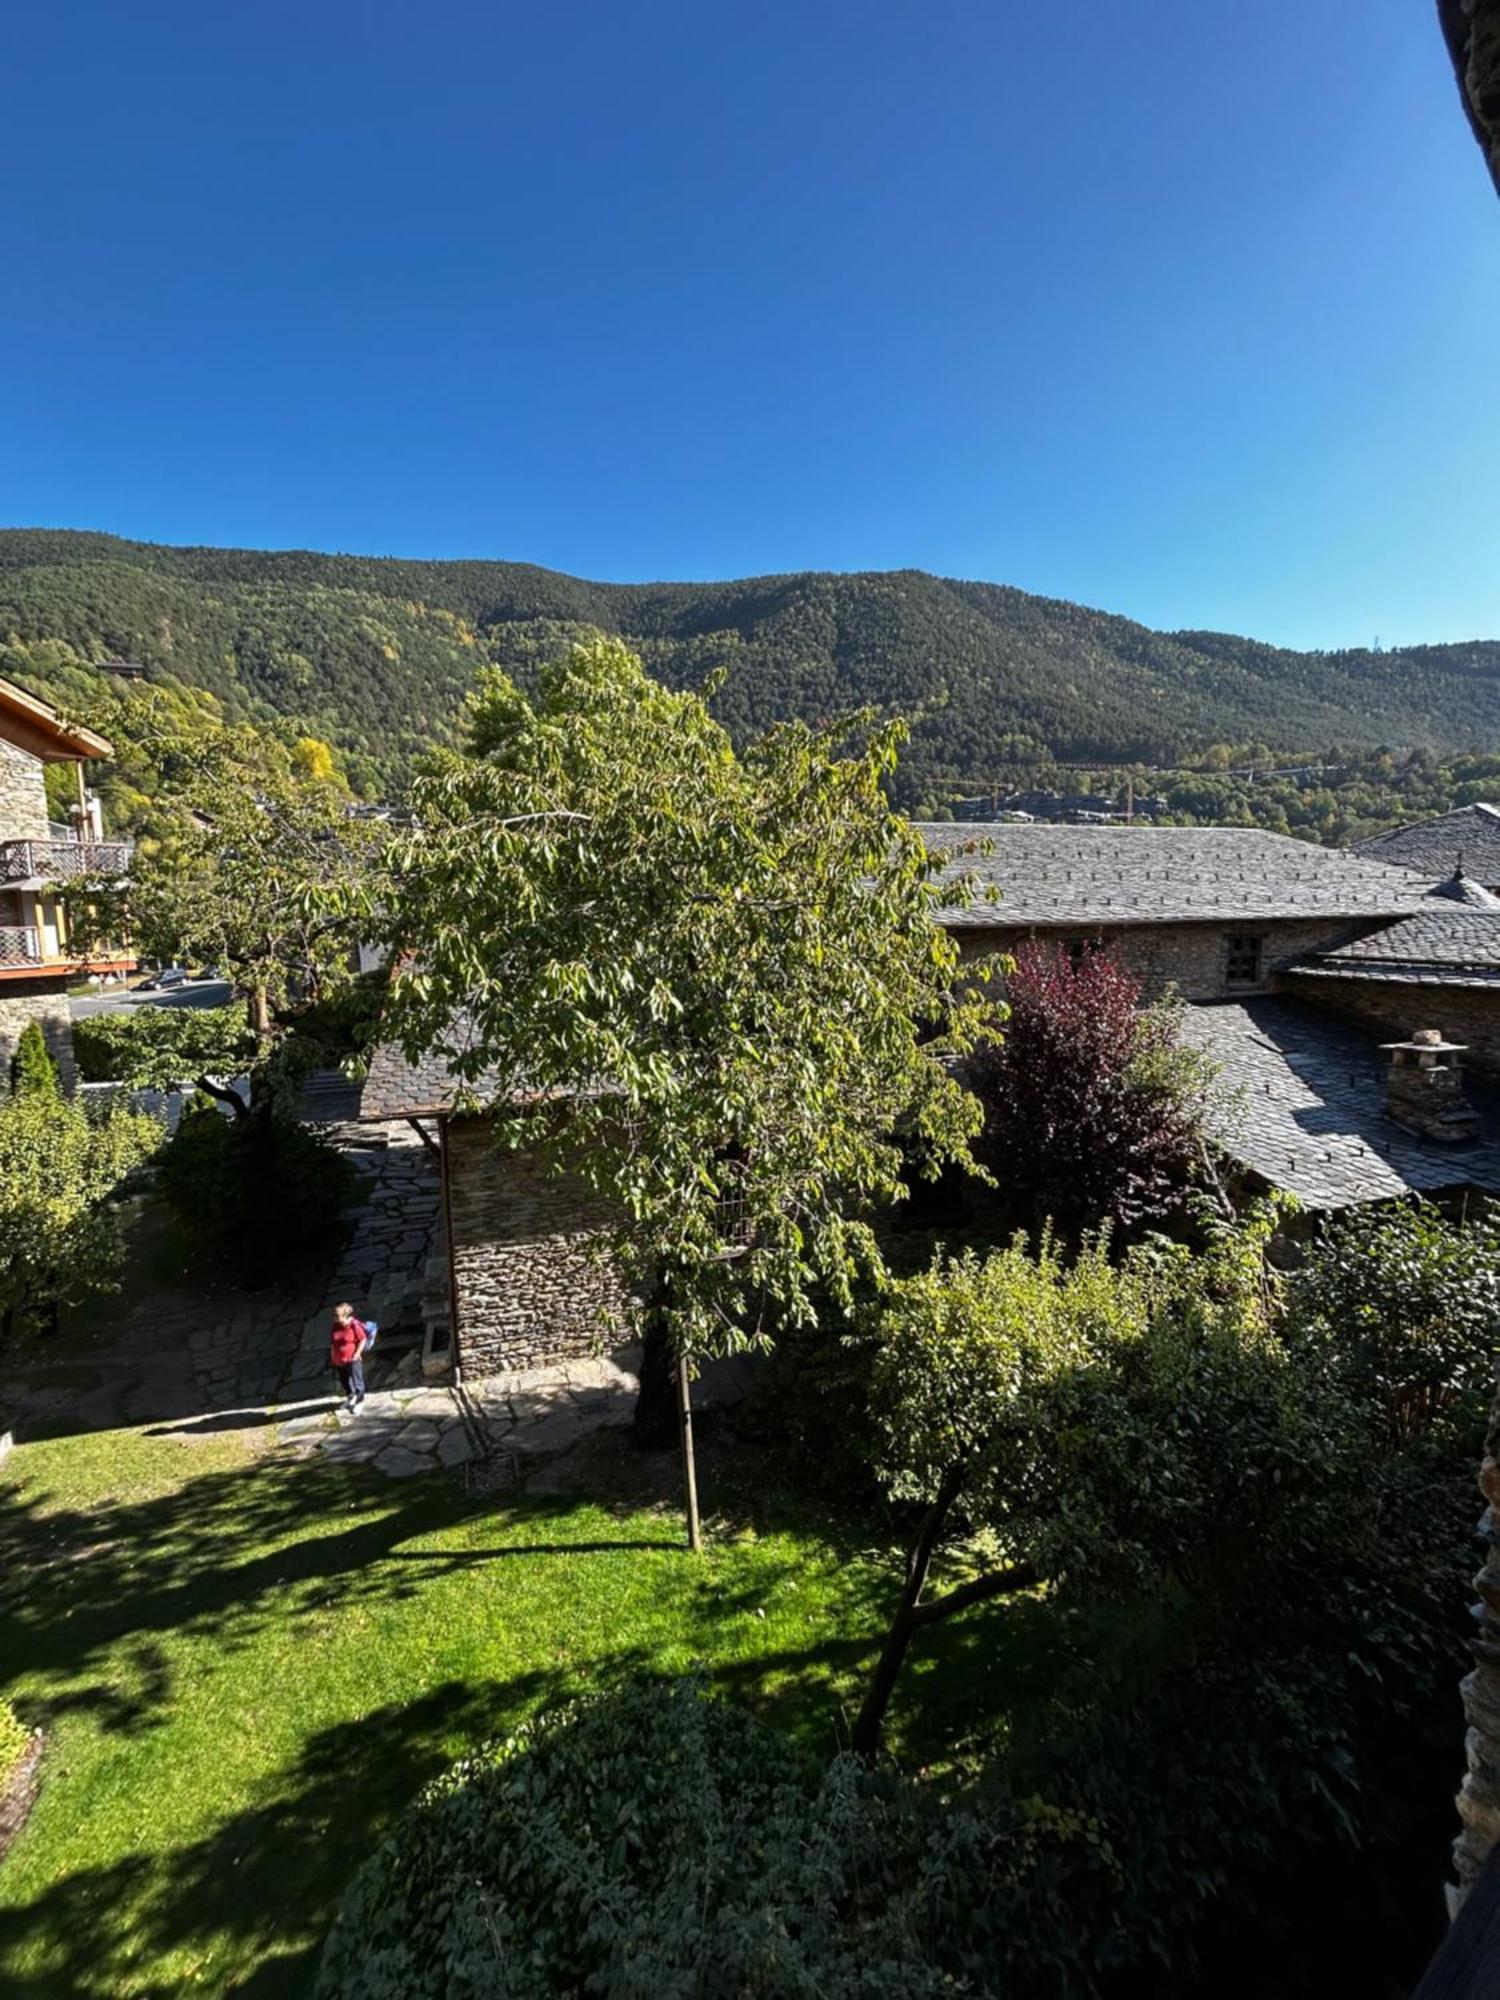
<point x="1424" y="1091"/>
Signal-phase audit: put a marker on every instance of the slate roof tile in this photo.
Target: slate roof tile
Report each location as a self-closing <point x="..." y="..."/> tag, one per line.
<point x="1444" y="944"/>
<point x="396" y="1088"/>
<point x="1064" y="876"/>
<point x="1304" y="1109"/>
<point x="1469" y="835"/>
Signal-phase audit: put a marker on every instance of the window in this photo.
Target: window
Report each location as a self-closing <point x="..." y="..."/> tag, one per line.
<point x="1242" y="961"/>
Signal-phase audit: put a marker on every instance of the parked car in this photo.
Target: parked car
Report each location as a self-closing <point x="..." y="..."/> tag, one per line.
<point x="163" y="981"/>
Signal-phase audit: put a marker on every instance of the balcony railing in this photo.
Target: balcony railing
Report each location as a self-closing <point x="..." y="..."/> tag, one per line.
<point x="62" y="860"/>
<point x="19" y="945"/>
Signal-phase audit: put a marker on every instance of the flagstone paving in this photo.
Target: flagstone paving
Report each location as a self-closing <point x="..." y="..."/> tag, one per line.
<point x="200" y="1361"/>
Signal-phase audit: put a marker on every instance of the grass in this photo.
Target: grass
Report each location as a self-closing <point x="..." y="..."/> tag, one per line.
<point x="247" y="1665"/>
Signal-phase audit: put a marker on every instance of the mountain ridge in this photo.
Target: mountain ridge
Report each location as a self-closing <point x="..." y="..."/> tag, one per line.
<point x="375" y="652"/>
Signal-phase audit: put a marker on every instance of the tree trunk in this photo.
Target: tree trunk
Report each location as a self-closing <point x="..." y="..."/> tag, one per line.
<point x="656" y="1405"/>
<point x="689" y="1457"/>
<point x="865" y="1740"/>
<point x="912" y="1615"/>
<point x="259" y="1012"/>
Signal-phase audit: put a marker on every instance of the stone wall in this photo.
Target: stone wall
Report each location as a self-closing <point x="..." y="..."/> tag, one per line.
<point x="1393" y="1012"/>
<point x="23" y="795"/>
<point x="1191" y="957"/>
<point x="1479" y="1796"/>
<point x="528" y="1288"/>
<point x="26" y="1000"/>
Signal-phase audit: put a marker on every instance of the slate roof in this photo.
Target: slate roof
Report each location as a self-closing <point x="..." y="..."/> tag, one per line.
<point x="1067" y="876"/>
<point x="395" y="1088"/>
<point x="1446" y="943"/>
<point x="1467" y="836"/>
<point x="1461" y="888"/>
<point x="1304" y="1109"/>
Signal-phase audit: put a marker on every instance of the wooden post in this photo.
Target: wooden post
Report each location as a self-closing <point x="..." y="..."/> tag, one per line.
<point x="689" y="1465"/>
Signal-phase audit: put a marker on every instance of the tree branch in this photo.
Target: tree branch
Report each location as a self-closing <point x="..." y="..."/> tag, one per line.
<point x="998" y="1583"/>
<point x="232" y="1098"/>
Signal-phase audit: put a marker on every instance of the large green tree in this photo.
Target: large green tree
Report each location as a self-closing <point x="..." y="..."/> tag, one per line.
<point x="260" y="870"/>
<point x="709" y="984"/>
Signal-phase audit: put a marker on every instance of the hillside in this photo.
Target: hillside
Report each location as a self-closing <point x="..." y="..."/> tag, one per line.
<point x="374" y="655"/>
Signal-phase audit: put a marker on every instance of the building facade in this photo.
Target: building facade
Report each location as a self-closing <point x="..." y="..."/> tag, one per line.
<point x="36" y="856"/>
<point x="1214" y="913"/>
<point x="1295" y="962"/>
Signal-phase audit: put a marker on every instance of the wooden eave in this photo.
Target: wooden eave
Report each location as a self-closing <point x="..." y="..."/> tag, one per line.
<point x="34" y="725"/>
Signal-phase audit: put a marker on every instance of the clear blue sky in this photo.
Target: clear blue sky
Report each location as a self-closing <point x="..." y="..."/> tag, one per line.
<point x="1186" y="310"/>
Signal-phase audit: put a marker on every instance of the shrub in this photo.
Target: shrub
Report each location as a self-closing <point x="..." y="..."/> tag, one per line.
<point x="1092" y="1103"/>
<point x="32" y="1070"/>
<point x="60" y="1235"/>
<point x="658" y="1844"/>
<point x="1280" y="1736"/>
<point x="1403" y="1307"/>
<point x="159" y="1047"/>
<point x="15" y="1738"/>
<point x="252" y="1189"/>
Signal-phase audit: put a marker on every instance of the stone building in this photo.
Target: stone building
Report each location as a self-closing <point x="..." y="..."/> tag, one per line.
<point x="1214" y="912"/>
<point x="527" y="1279"/>
<point x="1306" y="974"/>
<point x="1298" y="963"/>
<point x="36" y="962"/>
<point x="1465" y="841"/>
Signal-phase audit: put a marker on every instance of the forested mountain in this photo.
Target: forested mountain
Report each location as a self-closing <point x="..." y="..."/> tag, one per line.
<point x="374" y="655"/>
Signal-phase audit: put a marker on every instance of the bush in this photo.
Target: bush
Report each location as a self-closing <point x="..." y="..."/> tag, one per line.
<point x="32" y="1070"/>
<point x="252" y="1189"/>
<point x="1281" y="1733"/>
<point x="15" y="1739"/>
<point x="657" y="1845"/>
<point x="60" y="1236"/>
<point x="1403" y="1307"/>
<point x="1093" y="1105"/>
<point x="159" y="1047"/>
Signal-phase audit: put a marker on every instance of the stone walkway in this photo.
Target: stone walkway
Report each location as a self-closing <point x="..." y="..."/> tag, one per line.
<point x="196" y="1363"/>
<point x="502" y="1423"/>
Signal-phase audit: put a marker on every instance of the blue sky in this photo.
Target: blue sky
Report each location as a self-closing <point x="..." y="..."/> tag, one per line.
<point x="1187" y="311"/>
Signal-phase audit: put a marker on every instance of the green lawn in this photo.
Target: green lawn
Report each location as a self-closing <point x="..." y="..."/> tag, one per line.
<point x="248" y="1665"/>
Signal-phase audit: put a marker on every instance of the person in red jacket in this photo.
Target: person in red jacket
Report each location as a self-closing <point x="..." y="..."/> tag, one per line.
<point x="348" y="1343"/>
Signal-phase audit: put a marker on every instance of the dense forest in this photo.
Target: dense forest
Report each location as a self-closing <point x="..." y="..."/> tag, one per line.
<point x="373" y="655"/>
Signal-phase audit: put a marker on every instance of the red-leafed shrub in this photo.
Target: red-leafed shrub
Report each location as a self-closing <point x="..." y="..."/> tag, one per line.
<point x="1093" y="1105"/>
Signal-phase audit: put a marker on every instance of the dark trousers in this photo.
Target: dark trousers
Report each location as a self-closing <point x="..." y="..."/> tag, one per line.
<point x="352" y="1375"/>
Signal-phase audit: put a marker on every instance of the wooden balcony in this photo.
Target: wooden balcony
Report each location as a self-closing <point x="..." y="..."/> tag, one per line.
<point x="24" y="955"/>
<point x="39" y="861"/>
<point x="20" y="947"/>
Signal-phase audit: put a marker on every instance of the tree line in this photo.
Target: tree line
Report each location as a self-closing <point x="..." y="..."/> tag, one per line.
<point x="375" y="655"/>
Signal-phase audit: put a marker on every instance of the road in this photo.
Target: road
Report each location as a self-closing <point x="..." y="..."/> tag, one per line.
<point x="198" y="993"/>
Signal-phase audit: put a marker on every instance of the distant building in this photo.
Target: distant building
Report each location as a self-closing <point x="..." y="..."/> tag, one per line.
<point x="36" y="960"/>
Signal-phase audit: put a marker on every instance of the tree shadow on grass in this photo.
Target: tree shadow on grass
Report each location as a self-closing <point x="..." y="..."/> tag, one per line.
<point x="252" y="1901"/>
<point x="220" y="1556"/>
<point x="94" y="1600"/>
<point x="261" y="1889"/>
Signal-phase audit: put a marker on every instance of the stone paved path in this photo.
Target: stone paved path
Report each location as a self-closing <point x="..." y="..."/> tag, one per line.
<point x="504" y="1422"/>
<point x="200" y="1362"/>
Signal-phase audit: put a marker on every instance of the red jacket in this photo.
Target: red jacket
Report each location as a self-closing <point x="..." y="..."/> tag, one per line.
<point x="344" y="1342"/>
